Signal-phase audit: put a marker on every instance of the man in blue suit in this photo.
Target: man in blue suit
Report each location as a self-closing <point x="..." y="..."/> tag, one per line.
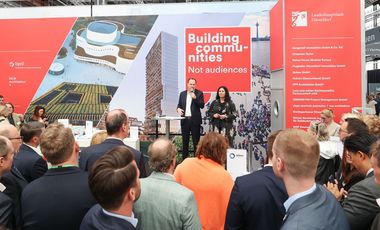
<point x="30" y="164"/>
<point x="117" y="129"/>
<point x="114" y="181"/>
<point x="257" y="199"/>
<point x="309" y="206"/>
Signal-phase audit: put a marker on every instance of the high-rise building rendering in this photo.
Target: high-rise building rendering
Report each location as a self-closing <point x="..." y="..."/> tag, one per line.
<point x="162" y="82"/>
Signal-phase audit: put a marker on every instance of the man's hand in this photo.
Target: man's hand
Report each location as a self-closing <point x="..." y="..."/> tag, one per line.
<point x="180" y="111"/>
<point x="222" y="117"/>
<point x="192" y="95"/>
<point x="216" y="115"/>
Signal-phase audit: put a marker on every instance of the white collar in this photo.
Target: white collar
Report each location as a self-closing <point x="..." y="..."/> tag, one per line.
<point x="296" y="196"/>
<point x="130" y="219"/>
<point x="369" y="171"/>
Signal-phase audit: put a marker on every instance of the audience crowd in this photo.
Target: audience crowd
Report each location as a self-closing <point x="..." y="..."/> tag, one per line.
<point x="327" y="177"/>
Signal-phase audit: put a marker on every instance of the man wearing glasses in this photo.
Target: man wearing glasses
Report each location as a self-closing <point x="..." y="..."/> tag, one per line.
<point x="13" y="180"/>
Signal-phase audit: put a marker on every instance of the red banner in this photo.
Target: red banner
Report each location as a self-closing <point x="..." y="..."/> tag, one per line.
<point x="276" y="37"/>
<point x="27" y="50"/>
<point x="219" y="56"/>
<point x="323" y="59"/>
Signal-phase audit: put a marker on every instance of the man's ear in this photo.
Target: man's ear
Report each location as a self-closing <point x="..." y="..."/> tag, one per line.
<point x="362" y="155"/>
<point x="280" y="164"/>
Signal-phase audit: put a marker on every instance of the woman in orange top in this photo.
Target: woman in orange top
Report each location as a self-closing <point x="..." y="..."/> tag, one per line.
<point x="206" y="177"/>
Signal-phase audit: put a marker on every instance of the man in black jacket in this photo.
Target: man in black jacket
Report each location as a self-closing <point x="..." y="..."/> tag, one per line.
<point x="60" y="198"/>
<point x="189" y="106"/>
<point x="28" y="161"/>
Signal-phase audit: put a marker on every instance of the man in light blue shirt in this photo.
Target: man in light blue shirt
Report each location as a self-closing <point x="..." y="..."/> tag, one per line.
<point x="309" y="206"/>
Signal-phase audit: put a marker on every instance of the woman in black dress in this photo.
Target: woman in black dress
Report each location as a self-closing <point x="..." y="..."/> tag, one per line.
<point x="222" y="113"/>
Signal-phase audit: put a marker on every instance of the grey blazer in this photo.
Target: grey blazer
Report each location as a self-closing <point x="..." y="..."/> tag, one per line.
<point x="360" y="205"/>
<point x="318" y="210"/>
<point x="165" y="204"/>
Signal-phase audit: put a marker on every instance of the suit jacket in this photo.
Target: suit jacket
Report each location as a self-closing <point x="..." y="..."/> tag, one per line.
<point x="196" y="105"/>
<point x="29" y="163"/>
<point x="6" y="208"/>
<point x="256" y="202"/>
<point x="89" y="155"/>
<point x="15" y="184"/>
<point x="360" y="205"/>
<point x="318" y="210"/>
<point x="96" y="219"/>
<point x="58" y="200"/>
<point x="165" y="204"/>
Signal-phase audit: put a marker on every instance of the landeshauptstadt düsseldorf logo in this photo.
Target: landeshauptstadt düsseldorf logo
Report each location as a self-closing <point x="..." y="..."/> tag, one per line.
<point x="299" y="18"/>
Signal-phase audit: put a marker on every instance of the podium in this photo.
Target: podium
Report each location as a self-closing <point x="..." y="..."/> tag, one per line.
<point x="167" y="120"/>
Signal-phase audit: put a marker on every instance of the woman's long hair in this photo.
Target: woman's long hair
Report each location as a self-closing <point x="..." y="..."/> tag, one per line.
<point x="227" y="98"/>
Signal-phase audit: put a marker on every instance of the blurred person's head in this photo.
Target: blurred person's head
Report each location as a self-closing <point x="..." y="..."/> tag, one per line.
<point x="351" y="126"/>
<point x="349" y="115"/>
<point x="270" y="140"/>
<point x="99" y="137"/>
<point x="114" y="180"/>
<point x="370" y="98"/>
<point x="375" y="160"/>
<point x="295" y="155"/>
<point x="223" y="93"/>
<point x="162" y="155"/>
<point x="357" y="148"/>
<point x="213" y="146"/>
<point x="117" y="123"/>
<point x="191" y="84"/>
<point x="58" y="145"/>
<point x="9" y="131"/>
<point x="10" y="107"/>
<point x="6" y="155"/>
<point x="1" y="100"/>
<point x="31" y="133"/>
<point x="39" y="111"/>
<point x="373" y="124"/>
<point x="327" y="116"/>
<point x="4" y="111"/>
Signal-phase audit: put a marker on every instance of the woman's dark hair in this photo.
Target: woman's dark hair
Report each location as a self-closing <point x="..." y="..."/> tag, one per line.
<point x="227" y="97"/>
<point x="36" y="109"/>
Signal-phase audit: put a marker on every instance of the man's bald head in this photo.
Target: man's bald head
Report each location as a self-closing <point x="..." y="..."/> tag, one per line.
<point x="115" y="120"/>
<point x="161" y="154"/>
<point x="9" y="131"/>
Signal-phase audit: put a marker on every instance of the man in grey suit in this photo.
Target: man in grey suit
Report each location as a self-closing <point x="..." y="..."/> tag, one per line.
<point x="309" y="206"/>
<point x="164" y="203"/>
<point x="360" y="205"/>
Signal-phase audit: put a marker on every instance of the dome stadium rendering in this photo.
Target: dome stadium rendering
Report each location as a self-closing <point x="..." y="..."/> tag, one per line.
<point x="74" y="101"/>
<point x="105" y="42"/>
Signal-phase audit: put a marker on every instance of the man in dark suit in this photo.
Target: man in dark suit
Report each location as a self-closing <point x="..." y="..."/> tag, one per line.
<point x="61" y="197"/>
<point x="360" y="205"/>
<point x="13" y="180"/>
<point x="6" y="205"/>
<point x="309" y="206"/>
<point x="117" y="125"/>
<point x="190" y="103"/>
<point x="30" y="164"/>
<point x="114" y="181"/>
<point x="257" y="199"/>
